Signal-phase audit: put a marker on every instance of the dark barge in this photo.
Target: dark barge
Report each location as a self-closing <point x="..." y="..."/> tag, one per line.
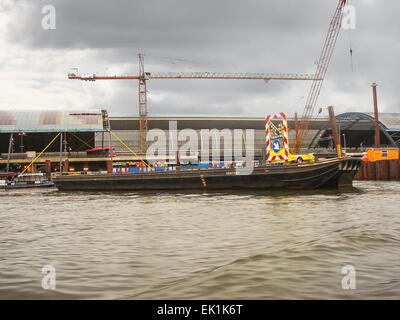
<point x="330" y="173"/>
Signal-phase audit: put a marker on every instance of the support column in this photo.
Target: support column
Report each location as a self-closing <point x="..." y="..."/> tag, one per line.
<point x="9" y="151"/>
<point x="61" y="145"/>
<point x="376" y="120"/>
<point x="109" y="167"/>
<point x="335" y="131"/>
<point x="66" y="165"/>
<point x="47" y="169"/>
<point x="178" y="161"/>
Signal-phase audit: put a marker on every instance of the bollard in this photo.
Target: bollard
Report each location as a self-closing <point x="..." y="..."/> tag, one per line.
<point x="109" y="167"/>
<point x="371" y="171"/>
<point x="384" y="170"/>
<point x="47" y="169"/>
<point x="66" y="165"/>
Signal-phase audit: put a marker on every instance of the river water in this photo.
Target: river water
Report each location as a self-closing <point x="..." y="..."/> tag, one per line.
<point x="231" y="245"/>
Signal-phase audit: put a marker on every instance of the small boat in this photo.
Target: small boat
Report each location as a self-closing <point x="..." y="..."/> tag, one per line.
<point x="329" y="173"/>
<point x="11" y="180"/>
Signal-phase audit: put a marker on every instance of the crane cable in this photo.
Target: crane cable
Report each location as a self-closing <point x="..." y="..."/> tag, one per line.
<point x="81" y="140"/>
<point x="133" y="152"/>
<point x="351" y="46"/>
<point x="26" y="168"/>
<point x="351" y="53"/>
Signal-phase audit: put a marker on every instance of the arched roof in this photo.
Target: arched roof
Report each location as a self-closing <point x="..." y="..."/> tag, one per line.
<point x="388" y="122"/>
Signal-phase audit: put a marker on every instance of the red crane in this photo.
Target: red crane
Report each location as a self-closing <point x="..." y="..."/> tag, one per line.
<point x="322" y="67"/>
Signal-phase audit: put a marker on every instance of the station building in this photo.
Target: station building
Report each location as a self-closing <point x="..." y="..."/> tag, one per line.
<point x="32" y="130"/>
<point x="357" y="130"/>
<point x="27" y="133"/>
<point x="82" y="130"/>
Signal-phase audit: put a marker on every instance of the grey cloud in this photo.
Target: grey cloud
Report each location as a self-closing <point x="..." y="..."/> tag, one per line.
<point x="225" y="35"/>
<point x="164" y="23"/>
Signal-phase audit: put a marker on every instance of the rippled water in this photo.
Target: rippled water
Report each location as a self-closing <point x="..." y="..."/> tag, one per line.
<point x="234" y="245"/>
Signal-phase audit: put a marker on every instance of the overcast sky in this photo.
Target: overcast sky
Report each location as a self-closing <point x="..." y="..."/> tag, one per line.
<point x="104" y="37"/>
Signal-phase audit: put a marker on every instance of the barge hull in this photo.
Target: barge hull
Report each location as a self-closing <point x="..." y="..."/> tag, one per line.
<point x="325" y="174"/>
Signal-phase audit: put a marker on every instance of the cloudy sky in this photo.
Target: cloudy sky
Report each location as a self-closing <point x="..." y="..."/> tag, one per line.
<point x="105" y="37"/>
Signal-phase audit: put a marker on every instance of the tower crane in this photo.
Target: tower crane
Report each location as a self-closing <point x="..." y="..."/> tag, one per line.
<point x="319" y="76"/>
<point x="143" y="77"/>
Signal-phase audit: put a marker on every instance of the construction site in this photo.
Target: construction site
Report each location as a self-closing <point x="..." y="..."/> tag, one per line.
<point x="92" y="141"/>
<point x="150" y="151"/>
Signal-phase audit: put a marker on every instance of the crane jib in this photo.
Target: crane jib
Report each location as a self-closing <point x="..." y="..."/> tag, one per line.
<point x="322" y="68"/>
